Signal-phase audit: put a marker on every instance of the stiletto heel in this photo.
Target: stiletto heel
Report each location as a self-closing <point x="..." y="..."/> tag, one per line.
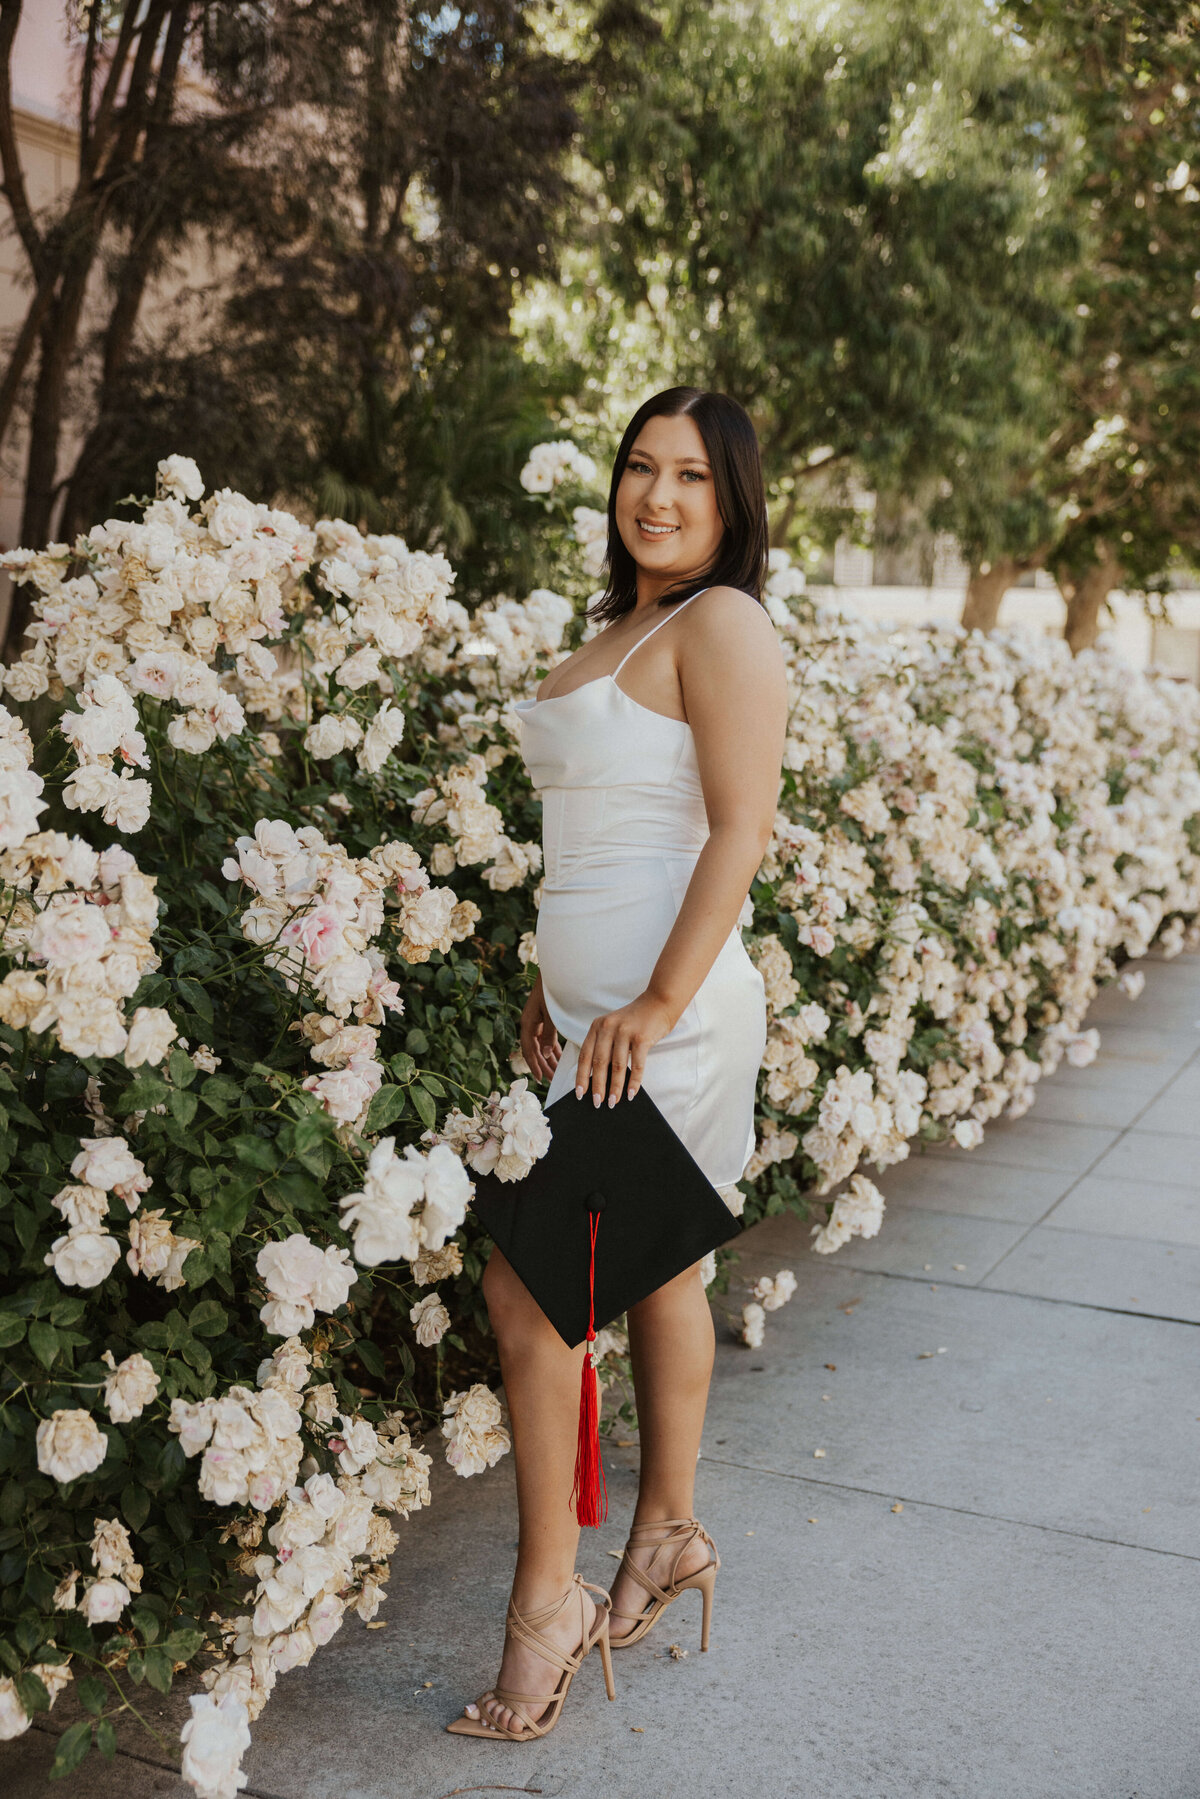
<point x="527" y="1630"/>
<point x="680" y="1533"/>
<point x="605" y="1648"/>
<point x="707" y="1580"/>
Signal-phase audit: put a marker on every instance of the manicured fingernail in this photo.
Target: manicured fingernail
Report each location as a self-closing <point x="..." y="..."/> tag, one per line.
<point x="612" y="1099"/>
<point x="579" y="1092"/>
<point x="595" y="1099"/>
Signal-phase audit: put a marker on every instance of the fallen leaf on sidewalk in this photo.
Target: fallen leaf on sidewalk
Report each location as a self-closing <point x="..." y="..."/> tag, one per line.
<point x="832" y="1367"/>
<point x="818" y="1452"/>
<point x="379" y="1624"/>
<point x="676" y="1653"/>
<point x="899" y="1506"/>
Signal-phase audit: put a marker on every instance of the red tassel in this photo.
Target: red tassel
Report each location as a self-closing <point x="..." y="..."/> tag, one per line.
<point x="590" y="1491"/>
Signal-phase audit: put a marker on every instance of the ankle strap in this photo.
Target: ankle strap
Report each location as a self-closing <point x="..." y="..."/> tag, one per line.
<point x="639" y="1531"/>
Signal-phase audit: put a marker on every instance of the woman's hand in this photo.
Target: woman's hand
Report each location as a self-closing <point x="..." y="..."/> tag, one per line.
<point x="616" y="1044"/>
<point x="539" y="1040"/>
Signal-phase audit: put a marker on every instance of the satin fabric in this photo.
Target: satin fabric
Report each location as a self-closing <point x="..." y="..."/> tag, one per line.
<point x="623" y="821"/>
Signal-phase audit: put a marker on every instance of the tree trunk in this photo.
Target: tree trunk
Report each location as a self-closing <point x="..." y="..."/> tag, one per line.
<point x="1087" y="595"/>
<point x="986" y="588"/>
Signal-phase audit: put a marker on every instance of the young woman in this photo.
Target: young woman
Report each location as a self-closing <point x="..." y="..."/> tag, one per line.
<point x="659" y="792"/>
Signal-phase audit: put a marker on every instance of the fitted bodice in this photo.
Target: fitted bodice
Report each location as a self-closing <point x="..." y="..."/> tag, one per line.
<point x="615" y="778"/>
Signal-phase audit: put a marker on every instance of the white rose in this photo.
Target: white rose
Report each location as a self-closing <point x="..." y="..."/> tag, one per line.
<point x="193" y="732"/>
<point x="360" y="1444"/>
<point x="84" y="1257"/>
<point x="448" y="1188"/>
<point x="13" y="1717"/>
<point x="179" y="475"/>
<point x="131" y="1386"/>
<point x="357" y="670"/>
<point x="90" y="788"/>
<point x="70" y="1443"/>
<point x="383" y="734"/>
<point x="231" y="516"/>
<point x="431" y="1320"/>
<point x="151" y="1034"/>
<point x="104" y="1600"/>
<point x="108" y="1162"/>
<point x="128" y="804"/>
<point x="214" y="1739"/>
<point x="83" y="1205"/>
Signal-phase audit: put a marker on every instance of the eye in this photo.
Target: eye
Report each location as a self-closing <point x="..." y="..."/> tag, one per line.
<point x="696" y="473"/>
<point x="637" y="467"/>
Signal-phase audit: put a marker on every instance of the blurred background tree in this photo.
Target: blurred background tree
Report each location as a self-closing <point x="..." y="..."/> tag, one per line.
<point x="945" y="252"/>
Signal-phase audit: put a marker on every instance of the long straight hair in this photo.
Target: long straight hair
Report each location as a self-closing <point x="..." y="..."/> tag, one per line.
<point x="729" y="438"/>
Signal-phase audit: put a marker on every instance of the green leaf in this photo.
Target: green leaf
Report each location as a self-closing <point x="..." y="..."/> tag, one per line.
<point x="228" y="1208"/>
<point x="403" y="1067"/>
<point x="93" y="1693"/>
<point x="44" y="1342"/>
<point x="208" y="1319"/>
<point x="106" y="1738"/>
<point x="183" y="1105"/>
<point x="73" y="1745"/>
<point x="183" y="1069"/>
<point x="144" y="1622"/>
<point x="387" y="1105"/>
<point x="193" y="995"/>
<point x="12" y="1329"/>
<point x="255" y="1152"/>
<point x="12" y="1501"/>
<point x="184" y="1643"/>
<point x="157" y="1664"/>
<point x="295" y="1191"/>
<point x="135" y="1505"/>
<point x="34" y="1696"/>
<point x="220" y="1093"/>
<point x="417" y="1043"/>
<point x="433" y="1085"/>
<point x="424" y="1103"/>
<point x="369" y="1356"/>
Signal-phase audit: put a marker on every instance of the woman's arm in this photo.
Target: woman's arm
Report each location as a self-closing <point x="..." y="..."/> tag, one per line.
<point x="734" y="683"/>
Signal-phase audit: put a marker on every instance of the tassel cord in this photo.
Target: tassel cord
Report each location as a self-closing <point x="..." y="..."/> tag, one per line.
<point x="590" y="1490"/>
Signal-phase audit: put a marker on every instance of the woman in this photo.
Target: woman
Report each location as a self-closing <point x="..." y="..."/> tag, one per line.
<point x="659" y="797"/>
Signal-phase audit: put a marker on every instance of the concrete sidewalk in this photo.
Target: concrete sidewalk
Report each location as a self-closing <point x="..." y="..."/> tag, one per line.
<point x="988" y="1585"/>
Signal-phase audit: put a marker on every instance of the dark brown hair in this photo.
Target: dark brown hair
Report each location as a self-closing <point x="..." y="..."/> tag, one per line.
<point x="732" y="446"/>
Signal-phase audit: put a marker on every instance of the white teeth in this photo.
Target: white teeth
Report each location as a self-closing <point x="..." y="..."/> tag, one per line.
<point x="657" y="530"/>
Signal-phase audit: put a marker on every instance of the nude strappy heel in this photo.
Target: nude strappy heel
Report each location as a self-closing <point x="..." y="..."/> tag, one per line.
<point x="528" y="1630"/>
<point x="680" y="1533"/>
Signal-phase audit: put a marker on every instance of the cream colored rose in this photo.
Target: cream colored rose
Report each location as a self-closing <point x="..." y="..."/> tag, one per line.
<point x="131" y="1386"/>
<point x="430" y="1319"/>
<point x="84" y="1257"/>
<point x="70" y="1443"/>
<point x="151" y="1034"/>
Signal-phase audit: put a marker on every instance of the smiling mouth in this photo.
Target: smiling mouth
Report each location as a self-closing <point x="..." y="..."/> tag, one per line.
<point x="649" y="530"/>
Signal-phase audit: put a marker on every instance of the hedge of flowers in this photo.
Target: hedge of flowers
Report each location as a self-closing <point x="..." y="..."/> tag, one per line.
<point x="270" y="868"/>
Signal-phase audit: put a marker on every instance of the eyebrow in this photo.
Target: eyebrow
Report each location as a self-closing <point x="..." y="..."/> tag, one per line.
<point x="679" y="459"/>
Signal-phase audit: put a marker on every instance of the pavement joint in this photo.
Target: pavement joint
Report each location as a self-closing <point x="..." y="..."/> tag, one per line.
<point x="1122" y="1132"/>
<point x="1041" y="1299"/>
<point x="939" y="1505"/>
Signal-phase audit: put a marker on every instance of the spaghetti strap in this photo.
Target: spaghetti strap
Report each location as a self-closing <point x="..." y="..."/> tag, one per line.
<point x="657" y="627"/>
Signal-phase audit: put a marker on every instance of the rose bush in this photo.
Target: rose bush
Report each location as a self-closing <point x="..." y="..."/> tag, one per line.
<point x="260" y="1025"/>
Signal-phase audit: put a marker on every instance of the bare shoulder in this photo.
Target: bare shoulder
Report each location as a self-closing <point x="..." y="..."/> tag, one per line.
<point x="726" y="622"/>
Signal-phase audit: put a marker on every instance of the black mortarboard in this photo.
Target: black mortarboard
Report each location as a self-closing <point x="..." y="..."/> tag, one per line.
<point x="616" y="1207"/>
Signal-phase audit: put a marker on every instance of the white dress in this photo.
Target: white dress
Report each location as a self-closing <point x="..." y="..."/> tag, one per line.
<point x="623" y="821"/>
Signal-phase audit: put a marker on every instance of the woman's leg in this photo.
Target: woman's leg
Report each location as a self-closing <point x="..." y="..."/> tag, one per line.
<point x="671" y="1345"/>
<point x="541" y="1385"/>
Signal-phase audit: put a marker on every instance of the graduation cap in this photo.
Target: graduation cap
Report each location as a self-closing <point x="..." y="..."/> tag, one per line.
<point x="615" y="1208"/>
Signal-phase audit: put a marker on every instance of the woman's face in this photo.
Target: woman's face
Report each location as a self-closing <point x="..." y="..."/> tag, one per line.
<point x="667" y="513"/>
